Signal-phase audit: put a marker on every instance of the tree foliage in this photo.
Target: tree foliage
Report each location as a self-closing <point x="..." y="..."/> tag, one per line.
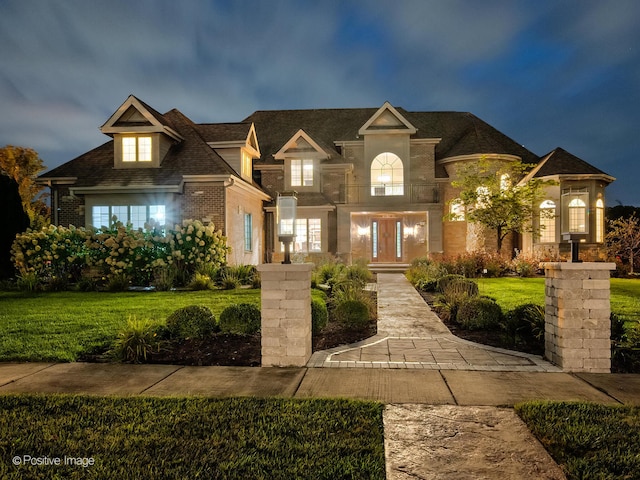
<point x="23" y="165"/>
<point x="13" y="220"/>
<point x="492" y="196"/>
<point x="623" y="239"/>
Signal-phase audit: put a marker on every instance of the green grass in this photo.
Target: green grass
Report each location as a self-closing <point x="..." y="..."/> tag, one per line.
<point x="510" y="292"/>
<point x="62" y="326"/>
<point x="588" y="440"/>
<point x="143" y="437"/>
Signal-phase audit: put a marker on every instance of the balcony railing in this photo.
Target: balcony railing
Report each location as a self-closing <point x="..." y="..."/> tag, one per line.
<point x="390" y="192"/>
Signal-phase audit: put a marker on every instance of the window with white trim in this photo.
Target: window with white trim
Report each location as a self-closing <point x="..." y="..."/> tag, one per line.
<point x="547" y="221"/>
<point x="577" y="215"/>
<point x="136" y="215"/>
<point x="302" y="172"/>
<point x="308" y="235"/>
<point x="387" y="175"/>
<point x="136" y="149"/>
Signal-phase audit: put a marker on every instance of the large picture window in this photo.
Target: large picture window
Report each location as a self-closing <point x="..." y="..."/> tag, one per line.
<point x="387" y="175"/>
<point x="136" y="215"/>
<point x="136" y="149"/>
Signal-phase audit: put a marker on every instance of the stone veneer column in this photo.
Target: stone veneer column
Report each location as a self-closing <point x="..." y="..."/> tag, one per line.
<point x="577" y="316"/>
<point x="286" y="314"/>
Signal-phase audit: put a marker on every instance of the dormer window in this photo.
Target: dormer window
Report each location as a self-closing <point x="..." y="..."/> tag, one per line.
<point x="136" y="149"/>
<point x="302" y="173"/>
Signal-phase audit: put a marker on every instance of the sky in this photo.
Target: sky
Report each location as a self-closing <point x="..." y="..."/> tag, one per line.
<point x="547" y="73"/>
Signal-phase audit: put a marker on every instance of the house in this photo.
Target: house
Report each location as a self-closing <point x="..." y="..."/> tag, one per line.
<point x="372" y="183"/>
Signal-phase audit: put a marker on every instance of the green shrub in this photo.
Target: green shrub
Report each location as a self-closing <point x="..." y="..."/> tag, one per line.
<point x="28" y="282"/>
<point x="352" y="313"/>
<point x="479" y="313"/>
<point x="87" y="284"/>
<point x="319" y="314"/>
<point x="118" y="283"/>
<point x="136" y="342"/>
<point x="525" y="322"/>
<point x="240" y="319"/>
<point x="230" y="280"/>
<point x="201" y="282"/>
<point x="446" y="280"/>
<point x="194" y="321"/>
<point x="329" y="270"/>
<point x="455" y="292"/>
<point x="358" y="272"/>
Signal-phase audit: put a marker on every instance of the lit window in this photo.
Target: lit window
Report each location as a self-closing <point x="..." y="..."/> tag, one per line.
<point x="577" y="215"/>
<point x="482" y="197"/>
<point x="135" y="215"/>
<point x="248" y="232"/>
<point x="246" y="165"/>
<point x="308" y="235"/>
<point x="456" y="211"/>
<point x="599" y="221"/>
<point x="547" y="222"/>
<point x="505" y="182"/>
<point x="136" y="149"/>
<point x="302" y="173"/>
<point x="387" y="175"/>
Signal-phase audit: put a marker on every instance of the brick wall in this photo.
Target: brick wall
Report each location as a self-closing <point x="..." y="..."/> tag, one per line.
<point x="70" y="209"/>
<point x="204" y="201"/>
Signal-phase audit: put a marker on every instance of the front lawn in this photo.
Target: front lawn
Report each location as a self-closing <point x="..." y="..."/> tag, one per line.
<point x="587" y="440"/>
<point x="510" y="292"/>
<point x="143" y="437"/>
<point x="63" y="326"/>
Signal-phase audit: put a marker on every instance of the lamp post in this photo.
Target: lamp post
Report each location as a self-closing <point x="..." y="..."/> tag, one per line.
<point x="286" y="204"/>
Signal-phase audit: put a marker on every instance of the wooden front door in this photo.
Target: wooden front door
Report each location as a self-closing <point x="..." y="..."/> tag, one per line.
<point x="385" y="238"/>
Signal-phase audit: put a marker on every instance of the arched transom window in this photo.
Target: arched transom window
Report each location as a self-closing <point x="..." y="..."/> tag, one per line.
<point x="387" y="175"/>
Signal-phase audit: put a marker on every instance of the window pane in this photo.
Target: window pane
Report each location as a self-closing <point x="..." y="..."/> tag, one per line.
<point x="248" y="232"/>
<point x="548" y="225"/>
<point x="144" y="149"/>
<point x="577" y="216"/>
<point x="300" y="242"/>
<point x="599" y="221"/>
<point x="307" y="173"/>
<point x="100" y="216"/>
<point x="315" y="235"/>
<point x="296" y="173"/>
<point x="129" y="149"/>
<point x="387" y="175"/>
<point x="121" y="212"/>
<point x="374" y="239"/>
<point x="138" y="216"/>
<point x="158" y="214"/>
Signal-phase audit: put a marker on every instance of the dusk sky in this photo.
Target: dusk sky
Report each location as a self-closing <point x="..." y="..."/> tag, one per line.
<point x="548" y="73"/>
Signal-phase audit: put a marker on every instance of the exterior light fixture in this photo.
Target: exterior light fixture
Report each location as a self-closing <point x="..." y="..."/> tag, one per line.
<point x="286" y="205"/>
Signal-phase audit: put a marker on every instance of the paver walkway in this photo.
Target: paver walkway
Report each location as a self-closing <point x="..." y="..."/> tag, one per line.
<point x="410" y="335"/>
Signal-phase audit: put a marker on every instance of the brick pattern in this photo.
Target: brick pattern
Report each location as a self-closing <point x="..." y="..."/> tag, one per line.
<point x="286" y="314"/>
<point x="70" y="209"/>
<point x="577" y="316"/>
<point x="210" y="204"/>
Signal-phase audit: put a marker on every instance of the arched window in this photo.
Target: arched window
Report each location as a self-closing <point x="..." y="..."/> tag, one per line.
<point x="599" y="221"/>
<point x="387" y="175"/>
<point x="456" y="210"/>
<point x="547" y="221"/>
<point x="577" y="215"/>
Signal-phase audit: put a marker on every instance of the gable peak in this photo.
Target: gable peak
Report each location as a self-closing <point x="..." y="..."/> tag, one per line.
<point x="387" y="120"/>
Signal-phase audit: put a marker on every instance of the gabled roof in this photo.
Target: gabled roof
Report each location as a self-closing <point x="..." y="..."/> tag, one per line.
<point x="136" y="116"/>
<point x="302" y="143"/>
<point x="458" y="133"/>
<point x="387" y="120"/>
<point x="561" y="162"/>
<point x="192" y="156"/>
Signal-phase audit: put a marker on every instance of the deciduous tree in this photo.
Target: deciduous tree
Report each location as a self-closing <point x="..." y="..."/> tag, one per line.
<point x="23" y="165"/>
<point x="623" y="239"/>
<point x="493" y="196"/>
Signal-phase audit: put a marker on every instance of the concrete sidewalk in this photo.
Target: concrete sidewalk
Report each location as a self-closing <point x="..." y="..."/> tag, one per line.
<point x="431" y="387"/>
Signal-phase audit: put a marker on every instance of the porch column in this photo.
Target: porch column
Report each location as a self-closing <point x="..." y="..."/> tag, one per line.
<point x="286" y="314"/>
<point x="577" y="316"/>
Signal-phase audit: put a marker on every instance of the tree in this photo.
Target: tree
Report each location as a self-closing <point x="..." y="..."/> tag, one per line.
<point x="492" y="197"/>
<point x="23" y="165"/>
<point x="623" y="239"/>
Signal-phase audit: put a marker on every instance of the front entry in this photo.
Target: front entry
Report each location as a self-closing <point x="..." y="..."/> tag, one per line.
<point x="386" y="236"/>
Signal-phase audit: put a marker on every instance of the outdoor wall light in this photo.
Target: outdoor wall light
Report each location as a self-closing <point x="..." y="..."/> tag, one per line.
<point x="286" y="205"/>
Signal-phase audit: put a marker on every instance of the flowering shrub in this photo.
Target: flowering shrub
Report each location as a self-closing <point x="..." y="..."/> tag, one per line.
<point x="118" y="250"/>
<point x="53" y="252"/>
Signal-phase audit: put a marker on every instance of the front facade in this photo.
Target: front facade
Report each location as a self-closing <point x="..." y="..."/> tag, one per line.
<point x="372" y="184"/>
